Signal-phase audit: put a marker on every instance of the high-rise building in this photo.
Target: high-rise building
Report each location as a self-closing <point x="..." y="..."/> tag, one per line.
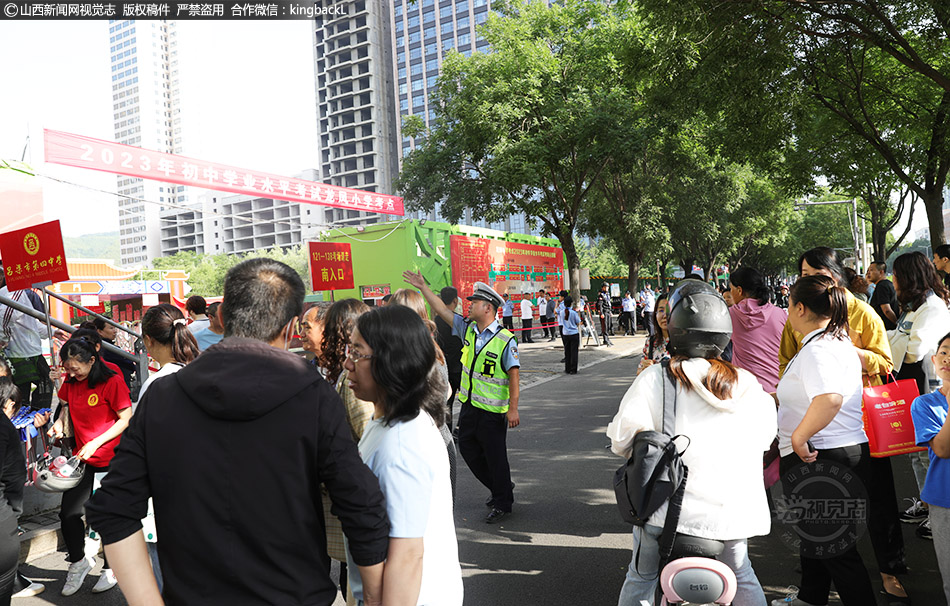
<point x="424" y="31"/>
<point x="356" y="118"/>
<point x="145" y="97"/>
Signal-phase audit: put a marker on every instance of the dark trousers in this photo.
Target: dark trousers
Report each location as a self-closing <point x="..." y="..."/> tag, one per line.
<point x="526" y="331"/>
<point x="571" y="344"/>
<point x="648" y="322"/>
<point x="9" y="555"/>
<point x="552" y="327"/>
<point x="625" y="321"/>
<point x="71" y="512"/>
<point x="28" y="372"/>
<point x="605" y="329"/>
<point x="847" y="570"/>
<point x="506" y="322"/>
<point x="884" y="525"/>
<point x="482" y="443"/>
<point x="454" y="382"/>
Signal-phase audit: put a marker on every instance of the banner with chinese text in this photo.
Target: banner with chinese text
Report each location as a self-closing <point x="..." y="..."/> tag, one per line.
<point x="96" y="154"/>
<point x="520" y="270"/>
<point x="33" y="256"/>
<point x="331" y="266"/>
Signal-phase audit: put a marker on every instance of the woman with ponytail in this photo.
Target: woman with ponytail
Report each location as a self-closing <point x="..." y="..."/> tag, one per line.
<point x="99" y="409"/>
<point x="819" y="419"/>
<point x="167" y="341"/>
<point x="867" y="334"/>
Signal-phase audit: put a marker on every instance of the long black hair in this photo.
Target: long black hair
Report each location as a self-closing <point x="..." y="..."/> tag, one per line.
<point x="752" y="284"/>
<point x="83" y="350"/>
<point x="657" y="339"/>
<point x="9" y="391"/>
<point x="825" y="299"/>
<point x="822" y="257"/>
<point x="915" y="276"/>
<point x="403" y="355"/>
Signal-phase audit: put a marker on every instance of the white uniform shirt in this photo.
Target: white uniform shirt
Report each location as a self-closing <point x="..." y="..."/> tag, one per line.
<point x="526" y="309"/>
<point x="23" y="333"/>
<point x="824" y="365"/>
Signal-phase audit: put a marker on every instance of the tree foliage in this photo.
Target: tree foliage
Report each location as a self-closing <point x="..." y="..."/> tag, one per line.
<point x="207" y="272"/>
<point x="530" y="126"/>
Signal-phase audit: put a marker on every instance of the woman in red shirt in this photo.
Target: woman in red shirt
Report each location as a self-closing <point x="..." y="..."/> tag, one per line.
<point x="99" y="409"/>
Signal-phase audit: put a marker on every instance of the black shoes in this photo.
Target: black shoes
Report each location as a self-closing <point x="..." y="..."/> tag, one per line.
<point x="495" y="515"/>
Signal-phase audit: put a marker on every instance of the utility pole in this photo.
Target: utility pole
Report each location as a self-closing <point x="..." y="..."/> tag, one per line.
<point x="858" y="233"/>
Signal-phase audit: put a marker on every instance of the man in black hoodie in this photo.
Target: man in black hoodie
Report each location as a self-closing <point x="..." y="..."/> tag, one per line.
<point x="233" y="449"/>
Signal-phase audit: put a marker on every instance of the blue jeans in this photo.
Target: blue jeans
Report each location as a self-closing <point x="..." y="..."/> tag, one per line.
<point x="640" y="586"/>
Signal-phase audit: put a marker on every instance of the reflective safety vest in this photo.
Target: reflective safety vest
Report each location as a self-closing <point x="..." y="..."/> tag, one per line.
<point x="484" y="380"/>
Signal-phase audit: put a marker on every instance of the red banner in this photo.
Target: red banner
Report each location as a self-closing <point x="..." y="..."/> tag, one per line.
<point x="33" y="256"/>
<point x="374" y="291"/>
<point x="331" y="266"/>
<point x="108" y="156"/>
<point x="520" y="270"/>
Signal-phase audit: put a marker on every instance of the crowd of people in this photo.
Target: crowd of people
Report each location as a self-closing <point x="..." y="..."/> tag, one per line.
<point x="814" y="360"/>
<point x="767" y="381"/>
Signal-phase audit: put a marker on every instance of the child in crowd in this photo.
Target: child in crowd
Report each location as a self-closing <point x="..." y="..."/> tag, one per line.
<point x="930" y="424"/>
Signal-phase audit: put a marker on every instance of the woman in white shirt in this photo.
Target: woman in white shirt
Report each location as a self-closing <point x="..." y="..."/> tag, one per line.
<point x="171" y="344"/>
<point x="819" y="420"/>
<point x="923" y="320"/>
<point x="730" y="423"/>
<point x="389" y="358"/>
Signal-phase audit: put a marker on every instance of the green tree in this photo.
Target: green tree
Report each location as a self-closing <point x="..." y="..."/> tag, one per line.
<point x="207" y="272"/>
<point x="878" y="67"/>
<point x="530" y="126"/>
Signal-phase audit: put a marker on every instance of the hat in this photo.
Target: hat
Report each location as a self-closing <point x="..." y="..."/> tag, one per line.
<point x="484" y="292"/>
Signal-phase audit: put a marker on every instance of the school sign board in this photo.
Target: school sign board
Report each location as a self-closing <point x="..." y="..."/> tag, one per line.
<point x="33" y="256"/>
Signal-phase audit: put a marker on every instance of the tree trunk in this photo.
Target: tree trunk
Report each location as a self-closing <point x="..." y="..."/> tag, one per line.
<point x="633" y="273"/>
<point x="661" y="279"/>
<point x="933" y="203"/>
<point x="878" y="242"/>
<point x="687" y="265"/>
<point x="573" y="263"/>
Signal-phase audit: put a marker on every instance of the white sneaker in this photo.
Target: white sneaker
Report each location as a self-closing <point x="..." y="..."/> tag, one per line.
<point x="28" y="592"/>
<point x="106" y="581"/>
<point x="75" y="575"/>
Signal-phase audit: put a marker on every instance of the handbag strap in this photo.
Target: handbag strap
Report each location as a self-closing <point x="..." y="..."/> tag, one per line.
<point x="669" y="399"/>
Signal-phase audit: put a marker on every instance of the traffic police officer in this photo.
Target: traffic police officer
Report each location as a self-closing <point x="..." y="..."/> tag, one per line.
<point x="489" y="390"/>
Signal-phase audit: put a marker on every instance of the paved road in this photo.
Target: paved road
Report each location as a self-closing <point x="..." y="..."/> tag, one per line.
<point x="565" y="543"/>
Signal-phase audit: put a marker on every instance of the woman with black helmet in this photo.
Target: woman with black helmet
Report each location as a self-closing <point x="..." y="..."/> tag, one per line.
<point x="729" y="420"/>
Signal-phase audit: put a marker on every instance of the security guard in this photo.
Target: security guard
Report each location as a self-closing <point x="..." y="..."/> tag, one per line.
<point x="489" y="390"/>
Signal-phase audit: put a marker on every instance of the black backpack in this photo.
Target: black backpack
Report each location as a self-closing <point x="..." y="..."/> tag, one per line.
<point x="655" y="472"/>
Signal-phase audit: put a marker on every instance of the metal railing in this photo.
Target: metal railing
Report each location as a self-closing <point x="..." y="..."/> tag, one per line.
<point x="140" y="357"/>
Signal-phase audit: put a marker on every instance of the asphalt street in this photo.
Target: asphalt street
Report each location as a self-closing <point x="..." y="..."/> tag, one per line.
<point x="565" y="543"/>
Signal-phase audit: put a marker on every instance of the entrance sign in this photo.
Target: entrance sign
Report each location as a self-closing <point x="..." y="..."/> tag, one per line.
<point x="331" y="266"/>
<point x="33" y="256"/>
<point x="96" y="154"/>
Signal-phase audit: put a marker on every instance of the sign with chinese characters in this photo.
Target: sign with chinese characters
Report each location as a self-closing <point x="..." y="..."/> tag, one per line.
<point x="374" y="291"/>
<point x="520" y="270"/>
<point x="108" y="156"/>
<point x="33" y="256"/>
<point x="331" y="266"/>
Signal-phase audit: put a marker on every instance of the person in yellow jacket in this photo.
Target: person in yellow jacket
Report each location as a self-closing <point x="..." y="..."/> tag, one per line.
<point x="867" y="333"/>
<point x="489" y="391"/>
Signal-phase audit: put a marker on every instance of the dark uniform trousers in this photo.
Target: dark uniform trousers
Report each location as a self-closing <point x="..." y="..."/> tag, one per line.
<point x="482" y="443"/>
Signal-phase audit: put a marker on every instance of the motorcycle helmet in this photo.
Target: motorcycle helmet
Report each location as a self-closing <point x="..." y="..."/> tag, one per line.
<point x="47" y="481"/>
<point x="698" y="320"/>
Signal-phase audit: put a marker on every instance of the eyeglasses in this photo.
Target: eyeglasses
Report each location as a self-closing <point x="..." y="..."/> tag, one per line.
<point x="355" y="357"/>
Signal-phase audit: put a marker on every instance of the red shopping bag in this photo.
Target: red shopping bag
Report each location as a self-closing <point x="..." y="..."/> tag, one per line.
<point x="887" y="419"/>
